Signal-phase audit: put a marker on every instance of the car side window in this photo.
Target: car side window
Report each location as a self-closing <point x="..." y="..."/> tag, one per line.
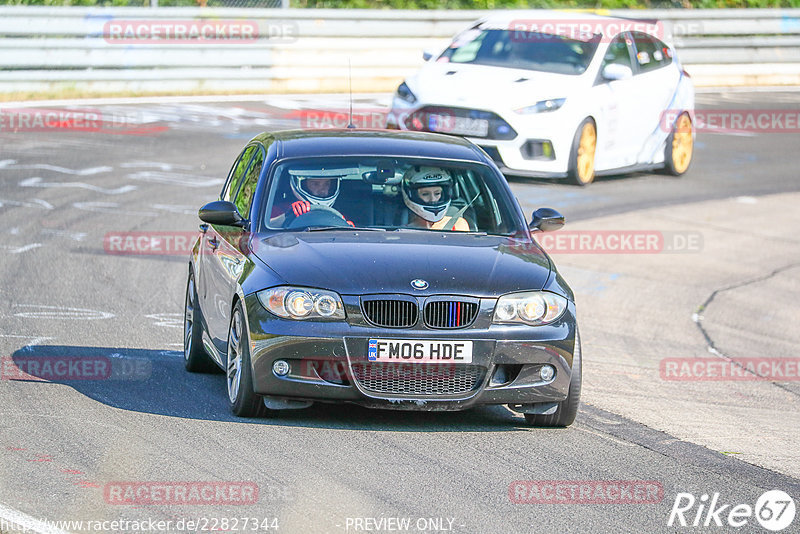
<point x="237" y="174"/>
<point x="244" y="198"/>
<point x="618" y="53"/>
<point x="483" y="213"/>
<point x="651" y="53"/>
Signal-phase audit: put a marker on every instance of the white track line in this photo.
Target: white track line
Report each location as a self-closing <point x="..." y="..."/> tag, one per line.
<point x="748" y="89"/>
<point x="181" y="99"/>
<point x="20" y="522"/>
<point x="305" y="96"/>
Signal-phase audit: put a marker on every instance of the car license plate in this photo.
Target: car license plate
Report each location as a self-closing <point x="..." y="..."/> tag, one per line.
<point x="419" y="351"/>
<point x="458" y="125"/>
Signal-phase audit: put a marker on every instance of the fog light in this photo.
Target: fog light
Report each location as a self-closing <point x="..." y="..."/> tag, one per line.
<point x="280" y="367"/>
<point x="547" y="372"/>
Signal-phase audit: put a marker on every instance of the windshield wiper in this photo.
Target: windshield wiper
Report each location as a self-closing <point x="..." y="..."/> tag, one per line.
<point x="344" y="228"/>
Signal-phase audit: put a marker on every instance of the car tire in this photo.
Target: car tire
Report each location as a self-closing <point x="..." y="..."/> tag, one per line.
<point x="580" y="169"/>
<point x="679" y="146"/>
<point x="195" y="358"/>
<point x="568" y="408"/>
<point x="243" y="401"/>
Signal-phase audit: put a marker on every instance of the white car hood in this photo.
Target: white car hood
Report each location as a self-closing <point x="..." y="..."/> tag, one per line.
<point x="485" y="87"/>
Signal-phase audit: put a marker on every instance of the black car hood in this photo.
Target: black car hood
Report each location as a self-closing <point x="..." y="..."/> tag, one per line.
<point x="353" y="262"/>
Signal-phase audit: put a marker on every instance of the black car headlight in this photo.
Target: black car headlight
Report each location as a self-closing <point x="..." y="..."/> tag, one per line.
<point x="530" y="307"/>
<point x="404" y="93"/>
<point x="302" y="303"/>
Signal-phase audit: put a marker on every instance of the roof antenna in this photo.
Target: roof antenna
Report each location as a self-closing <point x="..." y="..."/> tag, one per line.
<point x="350" y="79"/>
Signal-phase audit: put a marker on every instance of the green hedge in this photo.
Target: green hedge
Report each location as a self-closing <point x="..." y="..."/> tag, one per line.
<point x="432" y="4"/>
<point x="500" y="4"/>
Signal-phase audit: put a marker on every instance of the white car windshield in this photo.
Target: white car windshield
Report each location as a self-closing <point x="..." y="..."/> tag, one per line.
<point x="522" y="50"/>
<point x="389" y="194"/>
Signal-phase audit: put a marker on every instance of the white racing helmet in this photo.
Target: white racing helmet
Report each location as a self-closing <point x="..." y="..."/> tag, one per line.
<point x="308" y="186"/>
<point x="416" y="178"/>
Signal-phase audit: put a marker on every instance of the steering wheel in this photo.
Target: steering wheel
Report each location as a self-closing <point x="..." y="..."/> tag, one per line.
<point x="318" y="216"/>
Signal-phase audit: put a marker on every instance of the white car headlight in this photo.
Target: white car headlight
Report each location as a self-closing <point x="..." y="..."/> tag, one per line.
<point x="302" y="303"/>
<point x="531" y="307"/>
<point x="542" y="106"/>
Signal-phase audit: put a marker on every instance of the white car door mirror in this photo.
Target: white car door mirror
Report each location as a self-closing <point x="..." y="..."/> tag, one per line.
<point x="615" y="71"/>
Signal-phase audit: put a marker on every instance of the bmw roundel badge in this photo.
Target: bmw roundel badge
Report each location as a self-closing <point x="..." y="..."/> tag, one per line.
<point x="419" y="284"/>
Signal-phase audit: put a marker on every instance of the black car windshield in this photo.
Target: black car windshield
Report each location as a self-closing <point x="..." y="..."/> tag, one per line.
<point x="522" y="50"/>
<point x="387" y="194"/>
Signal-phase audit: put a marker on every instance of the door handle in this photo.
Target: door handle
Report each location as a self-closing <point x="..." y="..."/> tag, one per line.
<point x="212" y="241"/>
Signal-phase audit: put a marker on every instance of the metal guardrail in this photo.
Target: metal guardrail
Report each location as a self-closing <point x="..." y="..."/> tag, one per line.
<point x="47" y="48"/>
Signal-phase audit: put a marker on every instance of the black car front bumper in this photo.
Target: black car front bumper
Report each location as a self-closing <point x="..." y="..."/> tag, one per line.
<point x="328" y="361"/>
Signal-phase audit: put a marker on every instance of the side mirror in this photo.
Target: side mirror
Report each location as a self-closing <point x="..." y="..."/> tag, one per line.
<point x="222" y="213"/>
<point x="546" y="220"/>
<point x="427" y="55"/>
<point x="615" y="71"/>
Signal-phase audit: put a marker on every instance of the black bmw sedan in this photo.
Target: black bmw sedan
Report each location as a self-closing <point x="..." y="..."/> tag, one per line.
<point x="388" y="269"/>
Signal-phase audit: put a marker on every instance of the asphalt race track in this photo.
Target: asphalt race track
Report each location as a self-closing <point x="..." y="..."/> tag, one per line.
<point x="67" y="446"/>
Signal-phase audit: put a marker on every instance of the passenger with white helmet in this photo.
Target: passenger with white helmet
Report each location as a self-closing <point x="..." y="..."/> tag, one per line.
<point x="428" y="192"/>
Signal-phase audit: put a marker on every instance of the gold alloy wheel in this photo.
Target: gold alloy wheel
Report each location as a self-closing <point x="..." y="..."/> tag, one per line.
<point x="586" y="149"/>
<point x="682" y="144"/>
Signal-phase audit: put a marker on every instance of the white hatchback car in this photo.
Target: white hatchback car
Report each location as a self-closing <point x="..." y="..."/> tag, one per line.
<point x="557" y="95"/>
